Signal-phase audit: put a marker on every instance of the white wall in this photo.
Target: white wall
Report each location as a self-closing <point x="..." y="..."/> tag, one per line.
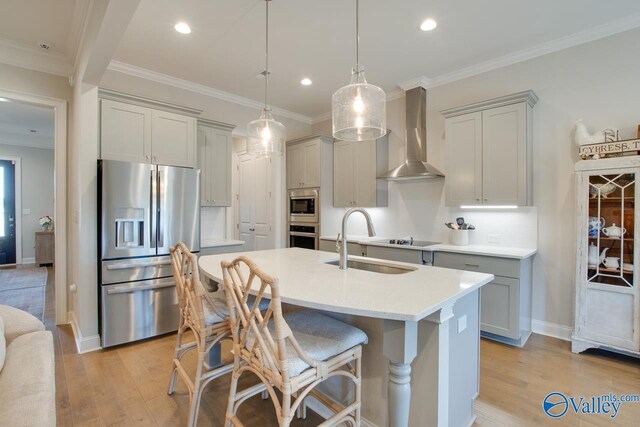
<point x="37" y="191"/>
<point x="597" y="82"/>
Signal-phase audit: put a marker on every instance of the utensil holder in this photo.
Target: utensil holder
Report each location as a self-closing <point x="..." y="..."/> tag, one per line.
<point x="459" y="237"/>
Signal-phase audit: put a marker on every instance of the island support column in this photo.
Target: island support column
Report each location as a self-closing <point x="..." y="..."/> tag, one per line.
<point x="439" y="324"/>
<point x="400" y="343"/>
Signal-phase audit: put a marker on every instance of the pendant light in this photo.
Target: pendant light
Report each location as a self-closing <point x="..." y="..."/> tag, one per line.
<point x="265" y="135"/>
<point x="358" y="109"/>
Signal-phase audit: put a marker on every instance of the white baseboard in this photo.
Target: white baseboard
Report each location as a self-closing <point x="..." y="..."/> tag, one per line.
<point x="83" y="344"/>
<point x="551" y="330"/>
<point x="31" y="260"/>
<point x="316" y="406"/>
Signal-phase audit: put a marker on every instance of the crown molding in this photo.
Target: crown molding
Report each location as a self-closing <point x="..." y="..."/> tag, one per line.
<point x="582" y="37"/>
<point x="105" y="93"/>
<point x="24" y="56"/>
<point x="321" y="118"/>
<point x="216" y="124"/>
<point x="144" y="73"/>
<point x="420" y="81"/>
<point x="528" y="96"/>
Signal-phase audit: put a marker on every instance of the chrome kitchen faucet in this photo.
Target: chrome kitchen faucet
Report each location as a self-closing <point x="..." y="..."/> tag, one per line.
<point x="343" y="248"/>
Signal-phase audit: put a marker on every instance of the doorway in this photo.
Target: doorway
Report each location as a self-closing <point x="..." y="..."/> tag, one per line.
<point x="7" y="212"/>
<point x="58" y="181"/>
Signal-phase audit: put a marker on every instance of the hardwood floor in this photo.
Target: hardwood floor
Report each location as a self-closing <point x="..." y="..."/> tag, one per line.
<point x="127" y="385"/>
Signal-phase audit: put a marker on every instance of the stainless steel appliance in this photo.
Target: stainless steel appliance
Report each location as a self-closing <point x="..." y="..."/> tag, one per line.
<point x="416" y="165"/>
<point x="304" y="206"/>
<point x="304" y="236"/>
<point x="143" y="210"/>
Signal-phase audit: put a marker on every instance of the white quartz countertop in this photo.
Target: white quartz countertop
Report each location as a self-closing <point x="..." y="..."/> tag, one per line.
<point x="307" y="281"/>
<point x="486" y="250"/>
<point x="215" y="243"/>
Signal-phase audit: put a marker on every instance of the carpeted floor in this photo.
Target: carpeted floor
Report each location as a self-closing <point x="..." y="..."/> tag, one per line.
<point x="23" y="288"/>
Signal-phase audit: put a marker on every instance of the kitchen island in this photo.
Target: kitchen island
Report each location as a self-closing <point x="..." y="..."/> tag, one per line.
<point x="407" y="316"/>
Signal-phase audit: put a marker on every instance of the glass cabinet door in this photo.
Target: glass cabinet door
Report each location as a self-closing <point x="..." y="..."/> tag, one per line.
<point x="610" y="229"/>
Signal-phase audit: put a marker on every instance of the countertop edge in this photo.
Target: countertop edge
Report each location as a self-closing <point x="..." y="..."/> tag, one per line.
<point x="217" y="243"/>
<point x="497" y="251"/>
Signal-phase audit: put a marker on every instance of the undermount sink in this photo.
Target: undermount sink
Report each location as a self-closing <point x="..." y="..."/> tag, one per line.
<point x="374" y="267"/>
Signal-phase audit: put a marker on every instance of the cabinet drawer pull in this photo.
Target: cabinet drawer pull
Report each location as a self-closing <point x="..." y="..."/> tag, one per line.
<point x="471" y="265"/>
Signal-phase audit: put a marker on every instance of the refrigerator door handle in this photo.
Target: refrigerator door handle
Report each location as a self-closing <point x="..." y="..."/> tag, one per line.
<point x="153" y="209"/>
<point x="129" y="290"/>
<point x="137" y="265"/>
<point x="160" y="226"/>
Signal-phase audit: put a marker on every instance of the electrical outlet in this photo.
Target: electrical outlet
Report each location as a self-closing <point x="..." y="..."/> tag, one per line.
<point x="493" y="238"/>
<point x="26" y="211"/>
<point x="462" y="323"/>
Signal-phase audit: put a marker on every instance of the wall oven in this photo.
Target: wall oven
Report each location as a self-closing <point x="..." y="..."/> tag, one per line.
<point x="304" y="236"/>
<point x="304" y="206"/>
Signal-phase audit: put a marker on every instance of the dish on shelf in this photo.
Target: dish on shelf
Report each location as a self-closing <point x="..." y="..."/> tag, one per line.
<point x="627" y="267"/>
<point x="605" y="189"/>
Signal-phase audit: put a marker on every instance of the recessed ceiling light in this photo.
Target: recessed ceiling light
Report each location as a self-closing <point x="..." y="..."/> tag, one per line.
<point x="428" y="24"/>
<point x="305" y="82"/>
<point x="182" y="28"/>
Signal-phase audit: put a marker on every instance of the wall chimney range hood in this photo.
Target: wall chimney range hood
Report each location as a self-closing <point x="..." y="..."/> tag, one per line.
<point x="416" y="165"/>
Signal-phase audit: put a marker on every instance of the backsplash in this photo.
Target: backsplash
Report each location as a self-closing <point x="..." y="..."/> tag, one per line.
<point x="416" y="208"/>
<point x="213" y="223"/>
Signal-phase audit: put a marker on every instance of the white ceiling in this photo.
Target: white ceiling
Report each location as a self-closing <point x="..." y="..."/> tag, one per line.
<point x="315" y="39"/>
<point x="17" y="120"/>
<point x="26" y="23"/>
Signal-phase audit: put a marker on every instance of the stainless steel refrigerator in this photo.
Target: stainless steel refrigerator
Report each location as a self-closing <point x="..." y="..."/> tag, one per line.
<point x="143" y="210"/>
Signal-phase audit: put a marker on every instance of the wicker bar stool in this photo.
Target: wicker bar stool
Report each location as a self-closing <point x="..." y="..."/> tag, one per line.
<point x="206" y="316"/>
<point x="292" y="353"/>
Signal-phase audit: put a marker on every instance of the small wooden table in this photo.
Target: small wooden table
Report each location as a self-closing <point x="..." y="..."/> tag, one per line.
<point x="45" y="247"/>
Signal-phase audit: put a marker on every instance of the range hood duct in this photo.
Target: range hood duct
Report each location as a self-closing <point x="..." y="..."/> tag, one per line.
<point x="416" y="165"/>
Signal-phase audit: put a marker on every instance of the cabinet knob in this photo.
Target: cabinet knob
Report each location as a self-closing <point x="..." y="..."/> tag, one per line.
<point x="478" y="199"/>
<point x="155" y="158"/>
<point x="146" y="157"/>
<point x="485" y="200"/>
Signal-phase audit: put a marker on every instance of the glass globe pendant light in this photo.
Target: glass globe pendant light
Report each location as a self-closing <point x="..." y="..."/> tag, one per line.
<point x="359" y="110"/>
<point x="265" y="135"/>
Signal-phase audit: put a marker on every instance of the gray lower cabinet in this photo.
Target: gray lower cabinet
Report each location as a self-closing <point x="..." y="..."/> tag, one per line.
<point x="505" y="303"/>
<point x="352" y="247"/>
<point x="394" y="254"/>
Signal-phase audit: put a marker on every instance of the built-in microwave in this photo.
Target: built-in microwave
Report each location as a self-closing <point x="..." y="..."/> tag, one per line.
<point x="304" y="206"/>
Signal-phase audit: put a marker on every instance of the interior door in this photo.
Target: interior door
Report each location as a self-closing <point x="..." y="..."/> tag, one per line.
<point x="245" y="201"/>
<point x="7" y="212"/>
<point x="263" y="237"/>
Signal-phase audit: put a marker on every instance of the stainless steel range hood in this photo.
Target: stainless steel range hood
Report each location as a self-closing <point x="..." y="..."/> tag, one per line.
<point x="416" y="165"/>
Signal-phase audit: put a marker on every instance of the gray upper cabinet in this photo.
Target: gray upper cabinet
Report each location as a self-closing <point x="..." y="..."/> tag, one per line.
<point x="214" y="161"/>
<point x="489" y="152"/>
<point x="173" y="140"/>
<point x="135" y="131"/>
<point x="355" y="168"/>
<point x="304" y="163"/>
<point x="125" y="132"/>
